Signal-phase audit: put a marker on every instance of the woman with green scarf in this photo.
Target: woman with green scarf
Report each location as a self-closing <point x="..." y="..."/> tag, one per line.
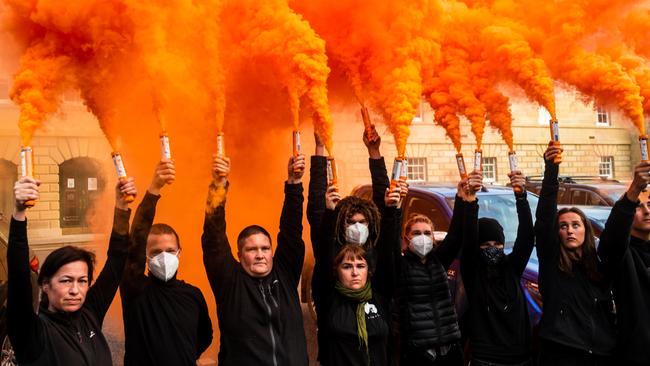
<point x="359" y="284"/>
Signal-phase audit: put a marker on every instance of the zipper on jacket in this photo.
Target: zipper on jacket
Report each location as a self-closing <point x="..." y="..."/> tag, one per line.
<point x="270" y="314"/>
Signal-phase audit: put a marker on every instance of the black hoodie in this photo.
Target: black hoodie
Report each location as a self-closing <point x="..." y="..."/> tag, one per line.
<point x="62" y="339"/>
<point x="631" y="287"/>
<point x="499" y="325"/>
<point x="151" y="307"/>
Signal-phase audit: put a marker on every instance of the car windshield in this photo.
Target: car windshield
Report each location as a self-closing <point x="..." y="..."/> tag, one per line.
<point x="614" y="193"/>
<point x="502" y="208"/>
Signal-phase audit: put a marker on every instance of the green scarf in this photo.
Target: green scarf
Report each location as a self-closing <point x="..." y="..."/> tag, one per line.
<point x="361" y="296"/>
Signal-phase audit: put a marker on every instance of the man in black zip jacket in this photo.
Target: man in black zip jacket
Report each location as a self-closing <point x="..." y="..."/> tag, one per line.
<point x="259" y="311"/>
<point x="631" y="261"/>
<point x="499" y="327"/>
<point x="68" y="328"/>
<point x="166" y="321"/>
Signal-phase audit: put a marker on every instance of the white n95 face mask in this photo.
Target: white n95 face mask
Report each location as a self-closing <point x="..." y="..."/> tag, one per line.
<point x="421" y="245"/>
<point x="164" y="265"/>
<point x="356" y="233"/>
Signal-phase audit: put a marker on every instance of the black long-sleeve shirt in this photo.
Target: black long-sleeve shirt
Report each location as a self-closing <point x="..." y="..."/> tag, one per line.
<point x="57" y="338"/>
<point x="339" y="313"/>
<point x="499" y="325"/>
<point x="577" y="311"/>
<point x="151" y="307"/>
<point x="631" y="263"/>
<point x="260" y="318"/>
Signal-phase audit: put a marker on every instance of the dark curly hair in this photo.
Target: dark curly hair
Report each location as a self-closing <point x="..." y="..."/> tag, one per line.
<point x="348" y="207"/>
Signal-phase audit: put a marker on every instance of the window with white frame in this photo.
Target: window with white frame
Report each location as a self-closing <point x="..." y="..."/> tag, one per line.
<point x="543" y="116"/>
<point x="606" y="166"/>
<point x="489" y="169"/>
<point x="603" y="117"/>
<point x="417" y="169"/>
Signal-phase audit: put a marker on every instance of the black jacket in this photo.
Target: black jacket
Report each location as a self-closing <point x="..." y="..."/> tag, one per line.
<point x="427" y="313"/>
<point x="338" y="313"/>
<point x="52" y="339"/>
<point x="151" y="307"/>
<point x="631" y="261"/>
<point x="578" y="312"/>
<point x="260" y="319"/>
<point x="499" y="326"/>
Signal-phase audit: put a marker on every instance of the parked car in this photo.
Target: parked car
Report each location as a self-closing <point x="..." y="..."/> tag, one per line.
<point x="6" y="352"/>
<point x="589" y="191"/>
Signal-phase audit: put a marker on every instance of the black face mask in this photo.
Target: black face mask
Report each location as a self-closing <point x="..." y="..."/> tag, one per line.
<point x="492" y="255"/>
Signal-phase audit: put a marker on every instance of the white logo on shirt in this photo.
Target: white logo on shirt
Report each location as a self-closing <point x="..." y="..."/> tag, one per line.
<point x="370" y="308"/>
<point x="92" y="334"/>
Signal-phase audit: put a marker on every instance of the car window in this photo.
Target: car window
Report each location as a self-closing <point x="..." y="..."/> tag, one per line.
<point x="430" y="209"/>
<point x="502" y="208"/>
<point x="584" y="197"/>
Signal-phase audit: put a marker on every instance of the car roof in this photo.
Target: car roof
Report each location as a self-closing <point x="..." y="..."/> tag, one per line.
<point x="449" y="190"/>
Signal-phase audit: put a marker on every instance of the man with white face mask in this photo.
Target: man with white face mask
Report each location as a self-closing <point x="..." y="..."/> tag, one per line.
<point x="166" y="321"/>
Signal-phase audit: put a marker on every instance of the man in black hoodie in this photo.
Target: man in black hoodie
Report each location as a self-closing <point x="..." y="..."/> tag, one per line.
<point x="632" y="271"/>
<point x="166" y="321"/>
<point x="259" y="311"/>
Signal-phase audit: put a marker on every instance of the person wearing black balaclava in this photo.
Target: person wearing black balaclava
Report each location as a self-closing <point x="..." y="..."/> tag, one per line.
<point x="499" y="327"/>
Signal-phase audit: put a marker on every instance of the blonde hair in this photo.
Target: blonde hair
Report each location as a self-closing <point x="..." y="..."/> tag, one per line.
<point x="415" y="219"/>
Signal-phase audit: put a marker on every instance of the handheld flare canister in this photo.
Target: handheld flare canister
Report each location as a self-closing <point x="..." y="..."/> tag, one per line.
<point x="555" y="138"/>
<point x="121" y="172"/>
<point x="365" y="116"/>
<point x="221" y="149"/>
<point x="27" y="168"/>
<point x="478" y="164"/>
<point x="460" y="161"/>
<point x="165" y="151"/>
<point x="403" y="175"/>
<point x="395" y="175"/>
<point x="297" y="146"/>
<point x="331" y="171"/>
<point x="514" y="166"/>
<point x="643" y="144"/>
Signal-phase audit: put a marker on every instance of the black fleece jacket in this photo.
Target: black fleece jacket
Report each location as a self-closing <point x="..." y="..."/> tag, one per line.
<point x="578" y="312"/>
<point x="62" y="339"/>
<point x="631" y="260"/>
<point x="260" y="318"/>
<point x="499" y="327"/>
<point x="151" y="307"/>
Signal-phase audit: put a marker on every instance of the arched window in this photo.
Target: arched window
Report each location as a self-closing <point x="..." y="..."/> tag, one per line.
<point x="80" y="183"/>
<point x="8" y="176"/>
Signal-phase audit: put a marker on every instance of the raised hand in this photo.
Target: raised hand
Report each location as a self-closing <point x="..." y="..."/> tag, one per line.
<point x="553" y="151"/>
<point x="295" y="169"/>
<point x="332" y="197"/>
<point x="640" y="180"/>
<point x="165" y="173"/>
<point x="517" y="181"/>
<point x="220" y="169"/>
<point x="25" y="189"/>
<point x="124" y="189"/>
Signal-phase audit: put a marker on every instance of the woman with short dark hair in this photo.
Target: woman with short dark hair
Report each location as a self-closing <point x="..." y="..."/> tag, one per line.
<point x="577" y="325"/>
<point x="68" y="328"/>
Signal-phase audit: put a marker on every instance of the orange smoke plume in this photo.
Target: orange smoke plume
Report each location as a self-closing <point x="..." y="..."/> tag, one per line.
<point x="445" y="116"/>
<point x="270" y="31"/>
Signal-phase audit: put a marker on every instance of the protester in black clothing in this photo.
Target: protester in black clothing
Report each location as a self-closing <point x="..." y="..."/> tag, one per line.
<point x="68" y="328"/>
<point x="166" y="321"/>
<point x="499" y="327"/>
<point x="429" y="332"/>
<point x="631" y="262"/>
<point x="355" y="299"/>
<point x="577" y="325"/>
<point x="259" y="311"/>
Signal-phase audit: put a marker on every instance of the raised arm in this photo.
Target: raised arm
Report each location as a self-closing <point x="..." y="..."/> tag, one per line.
<point x="323" y="279"/>
<point x="470" y="252"/>
<point x="23" y="325"/>
<point x="525" y="233"/>
<point x="384" y="280"/>
<point x="290" y="252"/>
<point x="204" y="330"/>
<point x="448" y="249"/>
<point x="101" y="293"/>
<point x="316" y="195"/>
<point x="217" y="257"/>
<point x="615" y="238"/>
<point x="546" y="213"/>
<point x="377" y="166"/>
